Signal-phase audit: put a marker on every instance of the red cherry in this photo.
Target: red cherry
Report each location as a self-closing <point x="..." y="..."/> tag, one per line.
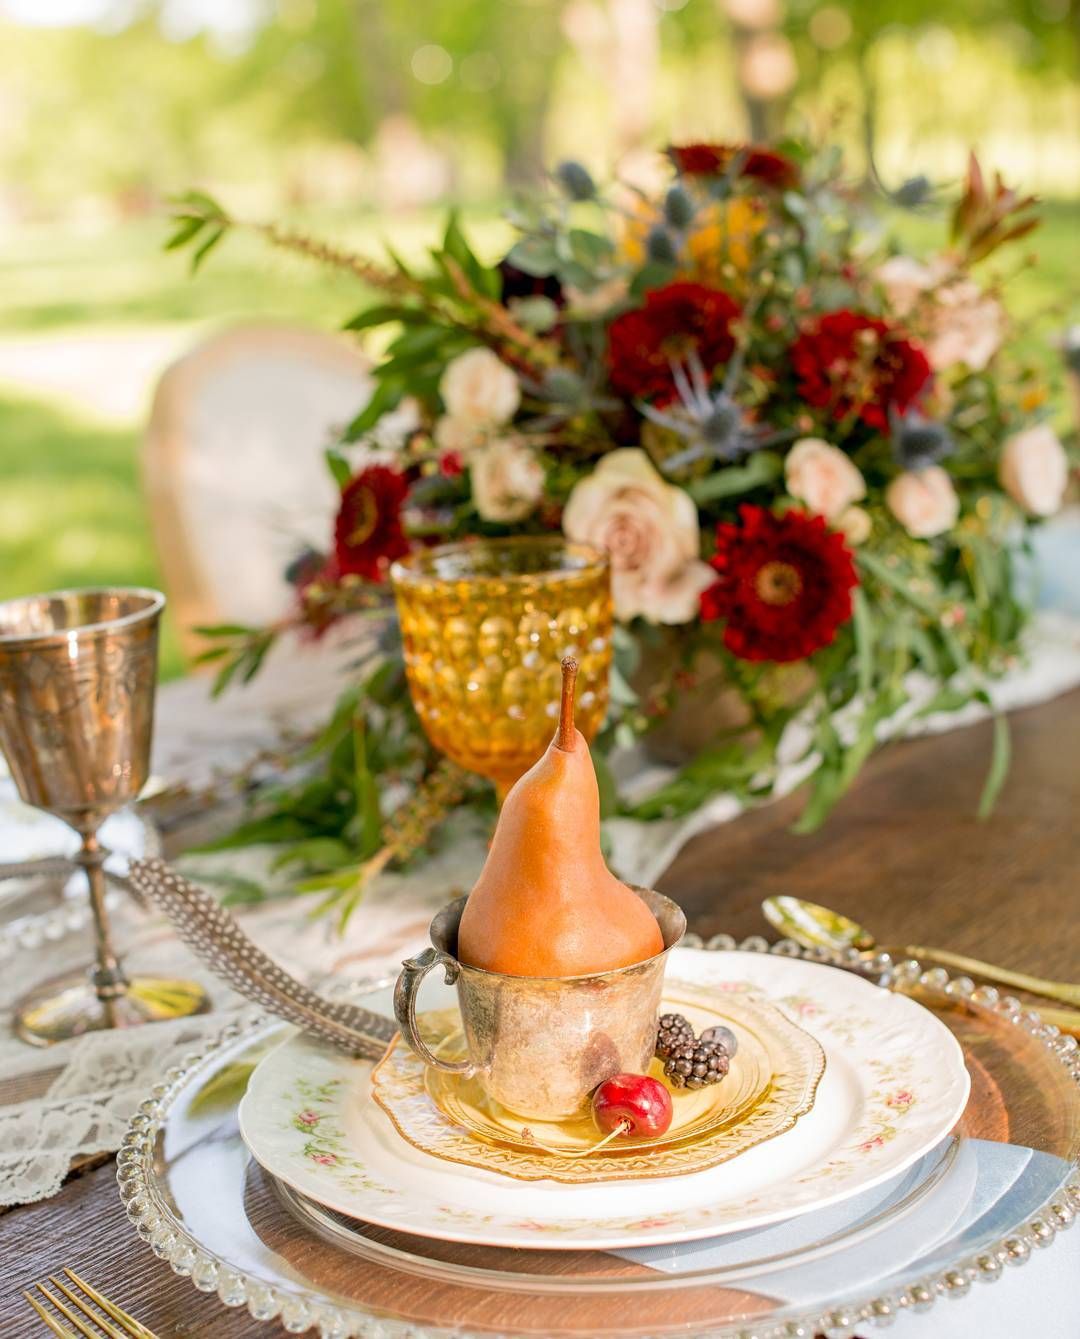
<point x="636" y="1100"/>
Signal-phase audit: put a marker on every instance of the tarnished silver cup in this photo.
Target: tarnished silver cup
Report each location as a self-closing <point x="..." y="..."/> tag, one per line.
<point x="78" y="674"/>
<point x="540" y="1045"/>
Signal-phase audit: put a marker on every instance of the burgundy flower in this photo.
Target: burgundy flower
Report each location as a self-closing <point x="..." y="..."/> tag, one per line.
<point x="368" y="534"/>
<point x="783" y="584"/>
<point x="678" y="318"/>
<point x="711" y="160"/>
<point x="856" y="365"/>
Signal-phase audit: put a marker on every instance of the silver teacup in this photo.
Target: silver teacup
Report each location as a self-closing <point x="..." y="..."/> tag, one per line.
<point x="540" y="1045"/>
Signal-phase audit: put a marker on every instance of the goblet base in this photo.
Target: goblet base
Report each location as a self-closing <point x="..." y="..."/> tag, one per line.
<point x="68" y="1006"/>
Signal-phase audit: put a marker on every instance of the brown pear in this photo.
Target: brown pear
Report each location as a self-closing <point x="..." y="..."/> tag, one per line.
<point x="546" y="904"/>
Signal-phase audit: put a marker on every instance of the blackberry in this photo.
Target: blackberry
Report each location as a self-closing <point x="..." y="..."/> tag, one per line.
<point x="672" y="1030"/>
<point x="695" y="1064"/>
<point x="724" y="1036"/>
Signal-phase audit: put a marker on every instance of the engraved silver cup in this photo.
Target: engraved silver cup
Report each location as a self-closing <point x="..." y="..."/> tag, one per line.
<point x="78" y="673"/>
<point x="540" y="1045"/>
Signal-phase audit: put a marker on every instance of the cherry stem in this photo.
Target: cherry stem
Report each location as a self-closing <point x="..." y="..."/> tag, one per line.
<point x="624" y="1127"/>
<point x="564" y="737"/>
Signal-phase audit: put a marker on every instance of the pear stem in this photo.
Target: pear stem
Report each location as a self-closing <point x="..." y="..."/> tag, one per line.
<point x="564" y="737"/>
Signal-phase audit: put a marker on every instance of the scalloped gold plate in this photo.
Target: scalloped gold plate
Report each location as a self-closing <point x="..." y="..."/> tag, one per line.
<point x="771" y="1083"/>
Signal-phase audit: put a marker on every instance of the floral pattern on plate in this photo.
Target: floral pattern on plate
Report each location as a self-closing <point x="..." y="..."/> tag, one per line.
<point x="894" y="1086"/>
<point x="772" y="1084"/>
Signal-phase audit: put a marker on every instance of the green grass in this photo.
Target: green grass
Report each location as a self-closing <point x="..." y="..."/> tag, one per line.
<point x="71" y="510"/>
<point x="52" y="278"/>
<point x="71" y="513"/>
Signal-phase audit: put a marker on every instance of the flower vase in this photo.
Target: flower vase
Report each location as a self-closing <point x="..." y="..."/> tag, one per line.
<point x="707" y="707"/>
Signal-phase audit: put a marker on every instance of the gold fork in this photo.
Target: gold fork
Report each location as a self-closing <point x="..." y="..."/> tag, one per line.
<point x="126" y="1327"/>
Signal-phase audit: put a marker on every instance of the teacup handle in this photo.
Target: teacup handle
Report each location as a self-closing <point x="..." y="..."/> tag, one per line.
<point x="413" y="971"/>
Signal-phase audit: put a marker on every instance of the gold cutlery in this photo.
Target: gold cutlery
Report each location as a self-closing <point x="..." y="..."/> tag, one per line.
<point x="92" y="1322"/>
<point x="814" y="926"/>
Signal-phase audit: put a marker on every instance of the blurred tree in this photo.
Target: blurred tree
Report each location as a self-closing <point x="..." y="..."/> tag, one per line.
<point x="384" y="100"/>
<point x="1040" y="36"/>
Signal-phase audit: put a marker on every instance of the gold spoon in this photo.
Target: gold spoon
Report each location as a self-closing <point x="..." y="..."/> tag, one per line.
<point x="813" y="926"/>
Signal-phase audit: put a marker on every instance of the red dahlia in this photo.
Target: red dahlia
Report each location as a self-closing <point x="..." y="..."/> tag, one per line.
<point x="857" y="365"/>
<point x="367" y="533"/>
<point x="678" y="318"/>
<point x="710" y="160"/>
<point x="783" y="584"/>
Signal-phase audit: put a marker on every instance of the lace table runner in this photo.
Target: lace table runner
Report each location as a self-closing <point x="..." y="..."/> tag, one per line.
<point x="76" y="1098"/>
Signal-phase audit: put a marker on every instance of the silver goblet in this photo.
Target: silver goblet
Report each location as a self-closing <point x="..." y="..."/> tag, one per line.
<point x="78" y="672"/>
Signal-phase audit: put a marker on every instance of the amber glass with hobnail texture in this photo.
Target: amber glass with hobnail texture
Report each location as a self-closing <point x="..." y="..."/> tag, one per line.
<point x="484" y="627"/>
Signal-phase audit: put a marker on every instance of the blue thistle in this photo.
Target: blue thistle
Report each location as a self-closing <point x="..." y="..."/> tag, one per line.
<point x="913" y="192"/>
<point x="576" y="180"/>
<point x="919" y="442"/>
<point x="660" y="246"/>
<point x="678" y="207"/>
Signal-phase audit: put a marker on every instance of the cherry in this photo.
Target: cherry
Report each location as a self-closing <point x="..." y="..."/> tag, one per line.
<point x="639" y="1104"/>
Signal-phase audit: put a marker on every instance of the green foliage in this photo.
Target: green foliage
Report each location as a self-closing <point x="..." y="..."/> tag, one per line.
<point x="71" y="509"/>
<point x="238" y="653"/>
<point x="200" y="223"/>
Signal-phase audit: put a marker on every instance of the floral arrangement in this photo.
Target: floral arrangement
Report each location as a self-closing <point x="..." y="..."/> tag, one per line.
<point x="811" y="458"/>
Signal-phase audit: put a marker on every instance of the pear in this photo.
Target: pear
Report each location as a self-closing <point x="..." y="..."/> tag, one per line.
<point x="546" y="904"/>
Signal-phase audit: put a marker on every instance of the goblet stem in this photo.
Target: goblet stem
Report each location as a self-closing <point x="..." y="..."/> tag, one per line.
<point x="107" y="976"/>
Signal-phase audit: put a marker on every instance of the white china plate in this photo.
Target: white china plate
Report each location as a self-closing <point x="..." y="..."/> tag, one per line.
<point x="894" y="1086"/>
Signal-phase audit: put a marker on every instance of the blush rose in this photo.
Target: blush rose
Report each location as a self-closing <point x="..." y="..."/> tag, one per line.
<point x="924" y="502"/>
<point x="1034" y="470"/>
<point x="649" y="528"/>
<point x="823" y="478"/>
<point x="507" y="480"/>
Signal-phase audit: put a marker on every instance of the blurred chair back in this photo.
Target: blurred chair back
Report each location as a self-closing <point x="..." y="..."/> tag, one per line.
<point x="233" y="466"/>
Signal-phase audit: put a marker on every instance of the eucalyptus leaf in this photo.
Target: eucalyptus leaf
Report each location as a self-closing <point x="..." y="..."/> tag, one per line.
<point x="534" y="255"/>
<point x="653" y="275"/>
<point x="760" y="469"/>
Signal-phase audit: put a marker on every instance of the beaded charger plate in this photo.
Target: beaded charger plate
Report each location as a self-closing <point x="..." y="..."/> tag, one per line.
<point x="771" y="1084"/>
<point x="894" y="1085"/>
<point x="196" y="1196"/>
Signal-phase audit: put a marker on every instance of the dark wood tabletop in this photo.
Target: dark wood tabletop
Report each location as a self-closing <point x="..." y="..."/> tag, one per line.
<point x="903" y="853"/>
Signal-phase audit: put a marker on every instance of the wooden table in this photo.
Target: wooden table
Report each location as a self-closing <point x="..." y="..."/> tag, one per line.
<point x="903" y="853"/>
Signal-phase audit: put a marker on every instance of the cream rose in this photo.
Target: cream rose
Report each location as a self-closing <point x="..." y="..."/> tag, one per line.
<point x="1034" y="469"/>
<point x="458" y="434"/>
<point x="855" y="525"/>
<point x="823" y="477"/>
<point x="924" y="502"/>
<point x="476" y="387"/>
<point x="650" y="530"/>
<point x="507" y="480"/>
<point x="961" y="323"/>
<point x="968" y="326"/>
<point x="904" y="280"/>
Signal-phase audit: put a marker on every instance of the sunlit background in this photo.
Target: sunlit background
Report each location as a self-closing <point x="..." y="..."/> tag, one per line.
<point x="361" y="117"/>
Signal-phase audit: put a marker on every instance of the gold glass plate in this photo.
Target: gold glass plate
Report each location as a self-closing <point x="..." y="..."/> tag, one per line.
<point x="772" y="1082"/>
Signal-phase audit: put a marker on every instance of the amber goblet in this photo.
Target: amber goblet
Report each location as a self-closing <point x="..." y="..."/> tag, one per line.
<point x="484" y="626"/>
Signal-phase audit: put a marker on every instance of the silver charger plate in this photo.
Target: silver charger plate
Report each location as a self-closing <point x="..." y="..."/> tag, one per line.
<point x="203" y="1205"/>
